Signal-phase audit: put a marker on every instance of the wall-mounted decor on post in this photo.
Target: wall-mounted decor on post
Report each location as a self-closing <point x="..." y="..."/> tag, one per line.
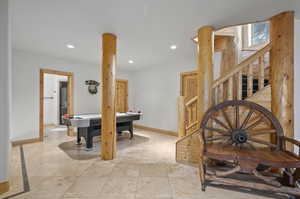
<point x="92" y="86"/>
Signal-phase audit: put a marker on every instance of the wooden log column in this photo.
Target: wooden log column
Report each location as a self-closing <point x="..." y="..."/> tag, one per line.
<point x="108" y="125"/>
<point x="205" y="68"/>
<point x="229" y="50"/>
<point x="228" y="47"/>
<point x="282" y="70"/>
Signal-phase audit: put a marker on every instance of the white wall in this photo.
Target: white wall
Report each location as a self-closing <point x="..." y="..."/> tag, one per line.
<point x="51" y="94"/>
<point x="155" y="93"/>
<point x="5" y="88"/>
<point x="25" y="102"/>
<point x="25" y="110"/>
<point x="156" y="90"/>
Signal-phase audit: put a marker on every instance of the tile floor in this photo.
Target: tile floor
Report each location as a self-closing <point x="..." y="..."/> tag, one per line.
<point x="144" y="170"/>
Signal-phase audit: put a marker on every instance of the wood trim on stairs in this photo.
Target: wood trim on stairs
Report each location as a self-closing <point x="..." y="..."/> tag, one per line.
<point x="4" y="187"/>
<point x="27" y="141"/>
<point x="161" y="131"/>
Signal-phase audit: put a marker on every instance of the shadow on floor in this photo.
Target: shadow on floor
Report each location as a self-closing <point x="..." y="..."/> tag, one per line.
<point x="250" y="191"/>
<point x="79" y="152"/>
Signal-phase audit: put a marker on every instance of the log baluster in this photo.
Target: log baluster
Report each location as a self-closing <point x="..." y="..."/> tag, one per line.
<point x="261" y="72"/>
<point x="250" y="81"/>
<point x="221" y="92"/>
<point x="230" y="88"/>
<point x="216" y="94"/>
<point x="239" y="85"/>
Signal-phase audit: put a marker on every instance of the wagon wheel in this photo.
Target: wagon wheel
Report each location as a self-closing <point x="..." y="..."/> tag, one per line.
<point x="242" y="124"/>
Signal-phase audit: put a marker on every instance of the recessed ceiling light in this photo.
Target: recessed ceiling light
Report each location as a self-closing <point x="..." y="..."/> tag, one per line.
<point x="173" y="47"/>
<point x="130" y="61"/>
<point x="70" y="46"/>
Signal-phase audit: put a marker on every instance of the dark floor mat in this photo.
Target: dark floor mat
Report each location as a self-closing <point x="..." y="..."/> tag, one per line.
<point x="79" y="152"/>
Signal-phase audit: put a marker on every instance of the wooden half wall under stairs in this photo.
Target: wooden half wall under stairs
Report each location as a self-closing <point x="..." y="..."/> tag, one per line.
<point x="187" y="148"/>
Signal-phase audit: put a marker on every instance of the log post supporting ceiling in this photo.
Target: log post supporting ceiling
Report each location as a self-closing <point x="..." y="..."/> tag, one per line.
<point x="108" y="124"/>
<point x="205" y="49"/>
<point x="227" y="46"/>
<point x="282" y="70"/>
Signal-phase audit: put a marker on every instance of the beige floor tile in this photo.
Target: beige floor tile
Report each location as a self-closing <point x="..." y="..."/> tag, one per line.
<point x="47" y="187"/>
<point x="119" y="187"/>
<point x="35" y="195"/>
<point x="85" y="187"/>
<point x="28" y="195"/>
<point x="153" y="197"/>
<point x="126" y="170"/>
<point x="185" y="186"/>
<point x="16" y="183"/>
<point x="145" y="170"/>
<point x="72" y="169"/>
<point x="154" y="170"/>
<point x="181" y="170"/>
<point x="155" y="187"/>
<point x="99" y="168"/>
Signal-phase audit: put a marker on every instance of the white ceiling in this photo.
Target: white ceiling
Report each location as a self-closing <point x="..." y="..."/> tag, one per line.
<point x="145" y="28"/>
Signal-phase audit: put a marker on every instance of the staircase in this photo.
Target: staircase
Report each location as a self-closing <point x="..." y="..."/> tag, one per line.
<point x="263" y="97"/>
<point x="249" y="80"/>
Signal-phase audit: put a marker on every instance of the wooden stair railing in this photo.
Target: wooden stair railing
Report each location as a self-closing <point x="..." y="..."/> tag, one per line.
<point x="191" y="109"/>
<point x="188" y="114"/>
<point x="229" y="86"/>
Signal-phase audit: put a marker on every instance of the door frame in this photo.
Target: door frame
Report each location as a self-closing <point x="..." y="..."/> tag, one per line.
<point x="70" y="98"/>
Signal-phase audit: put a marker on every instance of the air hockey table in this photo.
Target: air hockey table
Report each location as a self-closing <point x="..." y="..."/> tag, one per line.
<point x="89" y="125"/>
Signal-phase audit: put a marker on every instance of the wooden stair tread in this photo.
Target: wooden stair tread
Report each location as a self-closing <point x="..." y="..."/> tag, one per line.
<point x="278" y="159"/>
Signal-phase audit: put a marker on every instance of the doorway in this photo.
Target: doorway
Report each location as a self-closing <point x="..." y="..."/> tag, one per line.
<point x="56" y="100"/>
<point x="63" y="100"/>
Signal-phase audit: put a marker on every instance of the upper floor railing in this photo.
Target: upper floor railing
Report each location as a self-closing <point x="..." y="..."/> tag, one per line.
<point x="251" y="73"/>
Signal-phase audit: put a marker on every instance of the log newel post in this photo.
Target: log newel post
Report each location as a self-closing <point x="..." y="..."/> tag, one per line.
<point x="205" y="68"/>
<point x="108" y="124"/>
<point x="282" y="70"/>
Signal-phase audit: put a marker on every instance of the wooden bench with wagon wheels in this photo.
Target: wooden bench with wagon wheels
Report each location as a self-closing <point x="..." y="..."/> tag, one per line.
<point x="241" y="138"/>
